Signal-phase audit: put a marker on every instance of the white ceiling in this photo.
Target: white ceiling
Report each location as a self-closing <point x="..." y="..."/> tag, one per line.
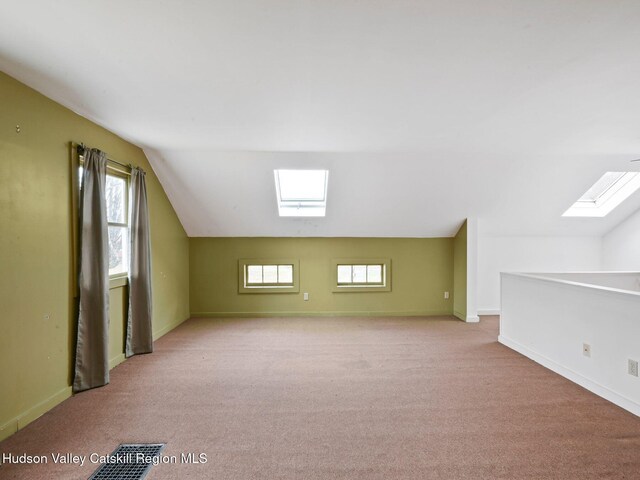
<point x="425" y="112"/>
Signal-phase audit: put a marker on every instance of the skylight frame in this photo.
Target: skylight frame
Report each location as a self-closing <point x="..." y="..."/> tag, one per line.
<point x="608" y="199"/>
<point x="301" y="207"/>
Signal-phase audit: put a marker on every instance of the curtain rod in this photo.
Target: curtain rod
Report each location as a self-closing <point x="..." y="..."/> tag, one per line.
<point x="80" y="147"/>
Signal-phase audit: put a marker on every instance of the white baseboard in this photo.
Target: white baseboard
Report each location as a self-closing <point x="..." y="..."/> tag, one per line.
<point x="466" y="318"/>
<point x="594" y="387"/>
<point x="489" y="312"/>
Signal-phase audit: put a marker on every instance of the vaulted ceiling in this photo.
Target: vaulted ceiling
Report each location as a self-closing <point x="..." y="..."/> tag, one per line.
<point x="425" y="112"/>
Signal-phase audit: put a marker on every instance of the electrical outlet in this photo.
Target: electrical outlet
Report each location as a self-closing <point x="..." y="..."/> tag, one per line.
<point x="586" y="349"/>
<point x="632" y="367"/>
<point x="305" y="296"/>
<point x="446" y="295"/>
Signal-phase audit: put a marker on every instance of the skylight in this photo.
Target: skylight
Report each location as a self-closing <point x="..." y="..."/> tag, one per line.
<point x="607" y="193"/>
<point x="301" y="193"/>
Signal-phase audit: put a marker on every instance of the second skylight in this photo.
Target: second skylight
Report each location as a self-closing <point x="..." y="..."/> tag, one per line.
<point x="607" y="193"/>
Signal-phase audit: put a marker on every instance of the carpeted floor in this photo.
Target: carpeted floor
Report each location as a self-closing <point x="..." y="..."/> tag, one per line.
<point x="340" y="398"/>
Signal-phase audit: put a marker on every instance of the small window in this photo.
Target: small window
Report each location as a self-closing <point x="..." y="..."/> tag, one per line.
<point x="117" y="200"/>
<point x="267" y="276"/>
<point x="607" y="193"/>
<point x="361" y="275"/>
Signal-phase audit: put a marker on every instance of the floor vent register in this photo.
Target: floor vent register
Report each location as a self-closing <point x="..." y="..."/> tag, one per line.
<point x="130" y="461"/>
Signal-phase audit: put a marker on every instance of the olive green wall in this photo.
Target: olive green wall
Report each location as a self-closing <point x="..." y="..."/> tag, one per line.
<point x="421" y="271"/>
<point x="460" y="273"/>
<point x="37" y="324"/>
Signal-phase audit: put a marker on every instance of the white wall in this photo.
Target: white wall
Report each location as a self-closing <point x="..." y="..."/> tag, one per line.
<point x="621" y="246"/>
<point x="549" y="320"/>
<point x="472" y="270"/>
<point x="531" y="254"/>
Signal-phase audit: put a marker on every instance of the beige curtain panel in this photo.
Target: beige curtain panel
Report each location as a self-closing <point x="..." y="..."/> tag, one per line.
<point x="139" y="332"/>
<point x="92" y="358"/>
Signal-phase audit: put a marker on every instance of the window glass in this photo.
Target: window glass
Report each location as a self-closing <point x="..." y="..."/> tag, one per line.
<point x="359" y="274"/>
<point x="270" y="274"/>
<point x="254" y="274"/>
<point x="116" y="191"/>
<point x="374" y="273"/>
<point x="300" y="185"/>
<point x="118" y="250"/>
<point x="285" y="273"/>
<point x="344" y="273"/>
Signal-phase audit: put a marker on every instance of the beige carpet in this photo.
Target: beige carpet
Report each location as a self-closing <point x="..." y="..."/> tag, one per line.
<point x="340" y="398"/>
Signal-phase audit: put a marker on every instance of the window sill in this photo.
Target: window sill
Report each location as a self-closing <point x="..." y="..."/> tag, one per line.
<point x="367" y="289"/>
<point x="118" y="281"/>
<point x="292" y="289"/>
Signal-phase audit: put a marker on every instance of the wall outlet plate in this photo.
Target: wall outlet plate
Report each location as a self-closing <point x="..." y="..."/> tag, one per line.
<point x="586" y="349"/>
<point x="446" y="295"/>
<point x="632" y="367"/>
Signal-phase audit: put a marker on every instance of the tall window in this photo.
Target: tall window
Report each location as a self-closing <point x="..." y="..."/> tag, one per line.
<point x="117" y="216"/>
<point x="117" y="199"/>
